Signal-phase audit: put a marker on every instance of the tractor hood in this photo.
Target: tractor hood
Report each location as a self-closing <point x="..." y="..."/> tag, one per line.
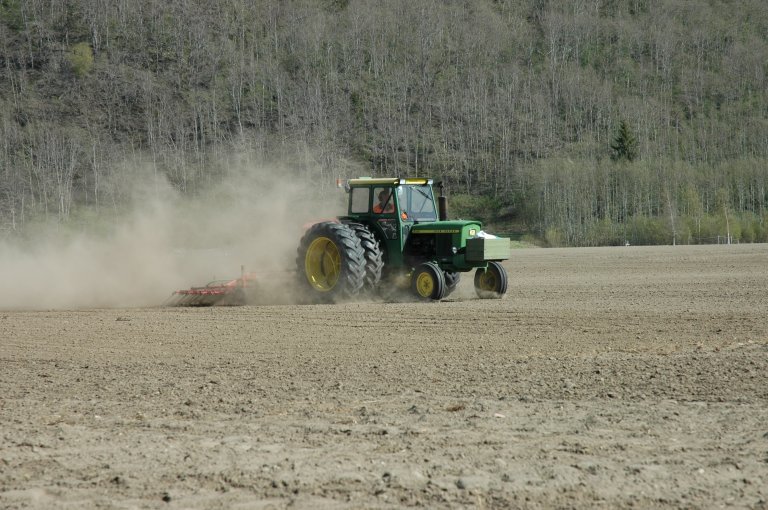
<point x="453" y="245"/>
<point x="448" y="227"/>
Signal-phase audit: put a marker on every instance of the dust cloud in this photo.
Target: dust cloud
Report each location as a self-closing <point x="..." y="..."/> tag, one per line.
<point x="166" y="242"/>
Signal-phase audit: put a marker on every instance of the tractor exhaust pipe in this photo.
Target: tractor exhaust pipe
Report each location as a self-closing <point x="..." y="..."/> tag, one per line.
<point x="442" y="203"/>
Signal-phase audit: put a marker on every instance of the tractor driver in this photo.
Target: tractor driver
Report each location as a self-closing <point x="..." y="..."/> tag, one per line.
<point x="385" y="205"/>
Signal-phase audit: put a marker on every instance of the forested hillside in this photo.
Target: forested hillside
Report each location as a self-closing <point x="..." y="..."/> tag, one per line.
<point x="583" y="122"/>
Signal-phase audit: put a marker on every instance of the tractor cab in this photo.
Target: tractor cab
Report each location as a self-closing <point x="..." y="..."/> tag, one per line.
<point x="391" y="208"/>
<point x="409" y="200"/>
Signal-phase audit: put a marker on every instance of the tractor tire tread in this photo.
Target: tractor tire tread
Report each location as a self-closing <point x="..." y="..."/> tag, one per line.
<point x="374" y="260"/>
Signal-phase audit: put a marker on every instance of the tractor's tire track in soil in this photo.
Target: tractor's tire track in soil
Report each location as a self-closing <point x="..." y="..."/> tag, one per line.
<point x="610" y="377"/>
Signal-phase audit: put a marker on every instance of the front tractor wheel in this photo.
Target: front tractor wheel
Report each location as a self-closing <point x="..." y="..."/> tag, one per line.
<point x="331" y="261"/>
<point x="428" y="282"/>
<point x="491" y="283"/>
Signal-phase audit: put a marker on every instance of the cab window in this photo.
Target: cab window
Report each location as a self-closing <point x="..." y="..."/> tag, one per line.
<point x="361" y="197"/>
<point x="419" y="203"/>
<point x="383" y="201"/>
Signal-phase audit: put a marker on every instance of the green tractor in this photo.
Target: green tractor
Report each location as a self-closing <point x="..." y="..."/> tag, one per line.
<point x="393" y="235"/>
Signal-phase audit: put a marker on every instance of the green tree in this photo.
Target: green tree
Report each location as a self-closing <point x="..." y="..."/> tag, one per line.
<point x="624" y="145"/>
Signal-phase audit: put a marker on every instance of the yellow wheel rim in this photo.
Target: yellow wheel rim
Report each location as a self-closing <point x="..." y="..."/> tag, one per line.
<point x="322" y="264"/>
<point x="425" y="284"/>
<point x="487" y="281"/>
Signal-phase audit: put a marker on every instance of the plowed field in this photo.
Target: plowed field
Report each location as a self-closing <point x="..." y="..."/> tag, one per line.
<point x="611" y="377"/>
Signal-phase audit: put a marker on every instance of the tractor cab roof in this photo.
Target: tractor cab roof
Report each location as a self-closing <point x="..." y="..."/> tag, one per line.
<point x="384" y="181"/>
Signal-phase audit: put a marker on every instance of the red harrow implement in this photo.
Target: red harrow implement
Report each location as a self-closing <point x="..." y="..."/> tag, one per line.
<point x="218" y="292"/>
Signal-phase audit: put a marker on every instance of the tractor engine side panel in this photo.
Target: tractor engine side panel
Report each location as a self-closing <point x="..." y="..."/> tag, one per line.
<point x="431" y="248"/>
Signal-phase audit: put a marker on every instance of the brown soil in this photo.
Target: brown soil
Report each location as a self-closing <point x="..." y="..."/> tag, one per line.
<point x="610" y="377"/>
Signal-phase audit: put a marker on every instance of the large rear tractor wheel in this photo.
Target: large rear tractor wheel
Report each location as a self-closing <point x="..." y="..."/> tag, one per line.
<point x="331" y="261"/>
<point x="428" y="282"/>
<point x="374" y="262"/>
<point x="491" y="283"/>
<point x="451" y="281"/>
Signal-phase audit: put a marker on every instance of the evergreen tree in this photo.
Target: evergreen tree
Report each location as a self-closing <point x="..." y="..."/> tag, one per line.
<point x="624" y="145"/>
